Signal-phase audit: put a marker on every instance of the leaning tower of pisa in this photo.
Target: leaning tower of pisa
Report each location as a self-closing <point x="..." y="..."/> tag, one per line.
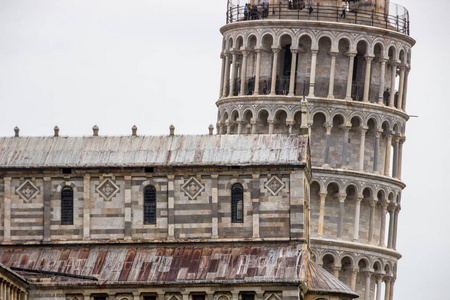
<point x="339" y="71"/>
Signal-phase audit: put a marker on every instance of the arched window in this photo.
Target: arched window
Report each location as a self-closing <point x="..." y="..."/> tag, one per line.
<point x="237" y="203"/>
<point x="67" y="206"/>
<point x="150" y="205"/>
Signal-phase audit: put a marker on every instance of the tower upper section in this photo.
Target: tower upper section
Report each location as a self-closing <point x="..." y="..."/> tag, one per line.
<point x="379" y="13"/>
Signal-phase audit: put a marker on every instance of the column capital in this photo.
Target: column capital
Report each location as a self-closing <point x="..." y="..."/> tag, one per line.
<point x="394" y="63"/>
<point x="359" y="198"/>
<point x="337" y="268"/>
<point x="379" y="275"/>
<point x="351" y="53"/>
<point x="388" y="278"/>
<point x="402" y="139"/>
<point x="391" y="207"/>
<point x="369" y="57"/>
<point x="363" y="129"/>
<point x="257" y="49"/>
<point x="271" y="122"/>
<point x="368" y="273"/>
<point x="314" y="52"/>
<point x="373" y="202"/>
<point x="333" y="53"/>
<point x="384" y="204"/>
<point x="245" y="52"/>
<point x="383" y="59"/>
<point x="355" y="270"/>
<point x="222" y="55"/>
<point x="276" y="49"/>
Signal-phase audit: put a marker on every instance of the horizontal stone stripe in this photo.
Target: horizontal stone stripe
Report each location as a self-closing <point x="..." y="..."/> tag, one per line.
<point x="190" y="219"/>
<point x="107" y="231"/>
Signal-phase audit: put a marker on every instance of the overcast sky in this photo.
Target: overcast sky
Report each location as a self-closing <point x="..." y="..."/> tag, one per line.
<point x="76" y="63"/>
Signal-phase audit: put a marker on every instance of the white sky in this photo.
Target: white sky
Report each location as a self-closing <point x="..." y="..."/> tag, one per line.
<point x="76" y="63"/>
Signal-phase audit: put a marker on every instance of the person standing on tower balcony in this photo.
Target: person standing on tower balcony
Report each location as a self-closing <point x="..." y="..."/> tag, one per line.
<point x="246" y="10"/>
<point x="345" y="8"/>
<point x="265" y="5"/>
<point x="386" y="96"/>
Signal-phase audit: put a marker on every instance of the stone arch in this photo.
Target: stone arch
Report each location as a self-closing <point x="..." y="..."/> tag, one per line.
<point x="235" y="115"/>
<point x="367" y="192"/>
<point x="149" y="182"/>
<point x="307" y="33"/>
<point x="68" y="184"/>
<point x="239" y="41"/>
<point x="347" y="37"/>
<point x="230" y="43"/>
<point x="285" y="33"/>
<point x="249" y="40"/>
<point x="334" y="184"/>
<point x="240" y="181"/>
<point x="329" y="260"/>
<point x="392" y="51"/>
<point x="222" y="296"/>
<point x="330" y="36"/>
<point x="322" y="110"/>
<point x="352" y="185"/>
<point x="375" y="118"/>
<point x="377" y="265"/>
<point x="280" y="121"/>
<point x="340" y="113"/>
<point x="347" y="266"/>
<point x="382" y="44"/>
<point x="368" y="44"/>
<point x="363" y="262"/>
<point x="265" y="35"/>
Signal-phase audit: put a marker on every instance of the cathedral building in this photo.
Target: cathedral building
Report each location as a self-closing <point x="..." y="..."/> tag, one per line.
<point x="296" y="196"/>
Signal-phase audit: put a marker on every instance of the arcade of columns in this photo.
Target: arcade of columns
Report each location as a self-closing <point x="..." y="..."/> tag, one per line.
<point x="230" y="68"/>
<point x="10" y="291"/>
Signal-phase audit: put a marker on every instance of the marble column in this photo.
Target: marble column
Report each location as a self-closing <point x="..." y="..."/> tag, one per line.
<point x="243" y="71"/>
<point x="400" y="87"/>
<point x="393" y="75"/>
<point x="387" y="290"/>
<point x="379" y="278"/>
<point x="357" y="216"/>
<point x="400" y="157"/>
<point x="294" y="52"/>
<point x="312" y="79"/>
<point x="391" y="294"/>
<point x="328" y="127"/>
<point x="368" y="276"/>
<point x="355" y="272"/>
<point x="222" y="74"/>
<point x="382" y="79"/>
<point x="258" y="70"/>
<point x="362" y="147"/>
<point x="391" y="209"/>
<point x="376" y="153"/>
<point x="233" y="73"/>
<point x="332" y="74"/>
<point x="323" y="196"/>
<point x="346" y="129"/>
<point x="254" y="128"/>
<point x="395" y="160"/>
<point x="226" y="78"/>
<point x="367" y="78"/>
<point x="275" y="51"/>
<point x="7" y="209"/>
<point x="271" y="124"/>
<point x="336" y="270"/>
<point x="239" y="129"/>
<point x="351" y="56"/>
<point x="340" y="224"/>
<point x="384" y="206"/>
<point x="405" y="90"/>
<point x="387" y="160"/>
<point x="372" y="203"/>
<point x="394" y="238"/>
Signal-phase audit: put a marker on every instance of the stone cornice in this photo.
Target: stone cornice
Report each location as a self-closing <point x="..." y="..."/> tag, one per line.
<point x="325" y="25"/>
<point x="355" y="246"/>
<point x="359" y="175"/>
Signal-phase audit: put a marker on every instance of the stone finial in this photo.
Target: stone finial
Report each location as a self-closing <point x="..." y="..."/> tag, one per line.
<point x="211" y="129"/>
<point x="172" y="130"/>
<point x="16" y="131"/>
<point x="134" y="130"/>
<point x="56" y="131"/>
<point x="95" y="130"/>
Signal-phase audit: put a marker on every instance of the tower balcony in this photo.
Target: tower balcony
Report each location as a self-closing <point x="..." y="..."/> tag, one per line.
<point x="371" y="13"/>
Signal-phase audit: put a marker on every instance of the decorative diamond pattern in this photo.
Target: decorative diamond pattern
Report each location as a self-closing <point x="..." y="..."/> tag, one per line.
<point x="274" y="185"/>
<point x="27" y="191"/>
<point x="193" y="188"/>
<point x="107" y="189"/>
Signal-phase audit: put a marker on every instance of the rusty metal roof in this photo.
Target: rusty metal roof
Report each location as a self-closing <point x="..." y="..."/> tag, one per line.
<point x="159" y="264"/>
<point x="283" y="263"/>
<point x="132" y="151"/>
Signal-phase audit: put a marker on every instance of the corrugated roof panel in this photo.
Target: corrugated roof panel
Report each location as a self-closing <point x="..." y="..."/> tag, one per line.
<point x="152" y="151"/>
